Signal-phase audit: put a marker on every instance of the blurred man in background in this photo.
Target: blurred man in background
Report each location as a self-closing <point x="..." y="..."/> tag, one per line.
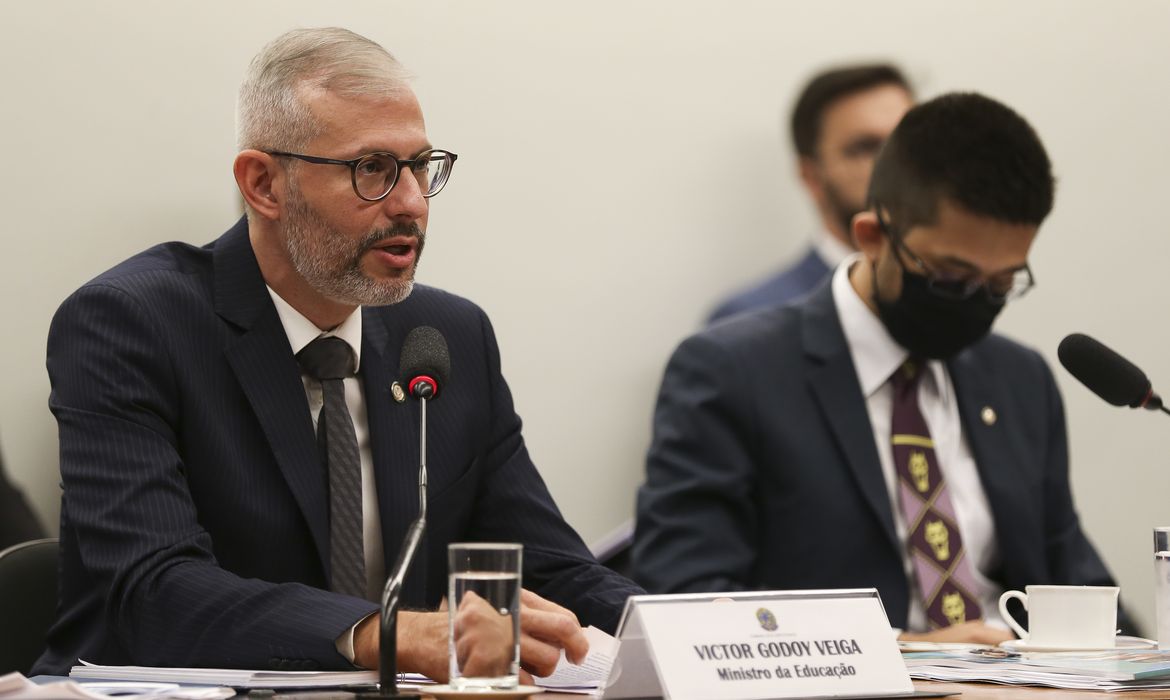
<point x="840" y="121"/>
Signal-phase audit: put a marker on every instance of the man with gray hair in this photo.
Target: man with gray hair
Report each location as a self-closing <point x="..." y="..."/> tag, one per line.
<point x="238" y="460"/>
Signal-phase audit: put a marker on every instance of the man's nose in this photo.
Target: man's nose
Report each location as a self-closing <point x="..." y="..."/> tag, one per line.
<point x="406" y="201"/>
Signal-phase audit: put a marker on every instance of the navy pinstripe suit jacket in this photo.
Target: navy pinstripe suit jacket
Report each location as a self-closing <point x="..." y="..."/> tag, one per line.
<point x="194" y="520"/>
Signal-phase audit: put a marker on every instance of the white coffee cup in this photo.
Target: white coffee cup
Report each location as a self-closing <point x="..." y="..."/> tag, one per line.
<point x="1065" y="617"/>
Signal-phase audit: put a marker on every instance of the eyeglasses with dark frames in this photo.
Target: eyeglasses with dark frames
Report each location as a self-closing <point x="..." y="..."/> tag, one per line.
<point x="375" y="174"/>
<point x="998" y="288"/>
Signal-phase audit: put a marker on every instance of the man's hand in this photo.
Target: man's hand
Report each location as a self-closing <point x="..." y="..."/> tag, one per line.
<point x="545" y="629"/>
<point x="484" y="644"/>
<point x="973" y="632"/>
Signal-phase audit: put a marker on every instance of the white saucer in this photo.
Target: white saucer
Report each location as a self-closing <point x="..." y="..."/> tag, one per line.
<point x="442" y="692"/>
<point x="1121" y="644"/>
<point x="907" y="647"/>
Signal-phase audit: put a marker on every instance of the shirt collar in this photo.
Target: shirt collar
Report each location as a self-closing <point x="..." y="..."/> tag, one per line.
<point x="876" y="355"/>
<point x="301" y="331"/>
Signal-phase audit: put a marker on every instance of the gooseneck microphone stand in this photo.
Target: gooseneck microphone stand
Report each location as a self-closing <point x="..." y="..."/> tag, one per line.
<point x="388" y="650"/>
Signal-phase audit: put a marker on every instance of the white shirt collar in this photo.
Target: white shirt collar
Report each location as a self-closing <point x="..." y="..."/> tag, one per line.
<point x="301" y="331"/>
<point x="830" y="248"/>
<point x="875" y="353"/>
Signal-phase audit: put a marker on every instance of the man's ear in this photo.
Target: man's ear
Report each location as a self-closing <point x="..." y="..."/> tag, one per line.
<point x="810" y="175"/>
<point x="256" y="173"/>
<point x="867" y="235"/>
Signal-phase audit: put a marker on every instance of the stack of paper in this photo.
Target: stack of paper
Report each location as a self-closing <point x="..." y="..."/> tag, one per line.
<point x="589" y="677"/>
<point x="14" y="686"/>
<point x="592" y="674"/>
<point x="235" y="678"/>
<point x="1107" y="670"/>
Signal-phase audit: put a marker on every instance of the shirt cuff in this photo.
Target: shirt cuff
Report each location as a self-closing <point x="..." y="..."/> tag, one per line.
<point x="344" y="643"/>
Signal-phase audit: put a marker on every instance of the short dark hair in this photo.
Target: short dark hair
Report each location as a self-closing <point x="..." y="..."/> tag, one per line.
<point x="826" y="88"/>
<point x="970" y="149"/>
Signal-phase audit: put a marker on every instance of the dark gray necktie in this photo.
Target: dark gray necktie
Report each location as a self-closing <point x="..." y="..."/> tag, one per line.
<point x="329" y="360"/>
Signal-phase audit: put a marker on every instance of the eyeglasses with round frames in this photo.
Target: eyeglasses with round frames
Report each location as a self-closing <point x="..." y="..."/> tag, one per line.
<point x="999" y="288"/>
<point x="375" y="174"/>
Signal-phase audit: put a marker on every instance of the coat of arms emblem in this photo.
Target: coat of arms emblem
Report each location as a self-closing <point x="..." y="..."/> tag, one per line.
<point x="767" y="619"/>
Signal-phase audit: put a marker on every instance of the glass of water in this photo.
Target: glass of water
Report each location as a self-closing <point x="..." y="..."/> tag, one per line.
<point x="1162" y="585"/>
<point x="483" y="599"/>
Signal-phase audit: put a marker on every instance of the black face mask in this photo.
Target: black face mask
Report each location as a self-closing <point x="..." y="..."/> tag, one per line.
<point x="931" y="326"/>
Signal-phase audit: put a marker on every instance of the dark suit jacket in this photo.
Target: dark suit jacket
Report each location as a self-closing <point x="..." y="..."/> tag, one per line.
<point x="763" y="472"/>
<point x="789" y="284"/>
<point x="195" y="512"/>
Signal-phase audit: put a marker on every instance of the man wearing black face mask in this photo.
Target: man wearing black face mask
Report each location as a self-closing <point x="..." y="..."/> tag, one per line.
<point x="876" y="433"/>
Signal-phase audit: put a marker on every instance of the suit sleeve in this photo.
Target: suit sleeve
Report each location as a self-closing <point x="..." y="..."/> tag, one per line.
<point x="132" y="519"/>
<point x="697" y="523"/>
<point x="513" y="504"/>
<point x="1072" y="559"/>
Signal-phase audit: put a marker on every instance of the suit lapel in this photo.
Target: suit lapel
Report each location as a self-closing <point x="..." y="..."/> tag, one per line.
<point x="268" y="373"/>
<point x="833" y="380"/>
<point x="393" y="429"/>
<point x="990" y="440"/>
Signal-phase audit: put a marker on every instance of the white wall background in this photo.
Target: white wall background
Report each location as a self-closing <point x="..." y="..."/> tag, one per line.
<point x="589" y="212"/>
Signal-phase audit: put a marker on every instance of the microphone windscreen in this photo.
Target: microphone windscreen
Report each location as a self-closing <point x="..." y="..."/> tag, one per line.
<point x="425" y="352"/>
<point x="1104" y="372"/>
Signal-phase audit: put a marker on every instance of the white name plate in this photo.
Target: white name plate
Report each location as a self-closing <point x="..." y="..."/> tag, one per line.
<point x="752" y="646"/>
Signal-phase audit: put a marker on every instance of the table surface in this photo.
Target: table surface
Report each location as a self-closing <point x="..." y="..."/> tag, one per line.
<point x="969" y="691"/>
<point x="985" y="691"/>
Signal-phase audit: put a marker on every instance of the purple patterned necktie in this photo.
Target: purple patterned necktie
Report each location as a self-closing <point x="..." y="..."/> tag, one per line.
<point x="945" y="577"/>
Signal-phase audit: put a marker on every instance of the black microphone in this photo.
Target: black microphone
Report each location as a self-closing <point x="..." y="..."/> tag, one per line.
<point x="1107" y="374"/>
<point x="425" y="364"/>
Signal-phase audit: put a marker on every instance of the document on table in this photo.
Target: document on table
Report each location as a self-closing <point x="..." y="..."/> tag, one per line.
<point x="234" y="677"/>
<point x="592" y="674"/>
<point x="1106" y="671"/>
<point x="14" y="686"/>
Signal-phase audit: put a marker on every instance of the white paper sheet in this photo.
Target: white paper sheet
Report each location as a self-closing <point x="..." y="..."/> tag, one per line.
<point x="592" y="674"/>
<point x="14" y="686"/>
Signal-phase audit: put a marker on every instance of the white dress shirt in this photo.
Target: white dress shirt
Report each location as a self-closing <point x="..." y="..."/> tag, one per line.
<point x="301" y="331"/>
<point x="876" y="356"/>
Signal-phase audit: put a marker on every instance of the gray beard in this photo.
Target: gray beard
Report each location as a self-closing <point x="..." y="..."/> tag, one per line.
<point x="331" y="263"/>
